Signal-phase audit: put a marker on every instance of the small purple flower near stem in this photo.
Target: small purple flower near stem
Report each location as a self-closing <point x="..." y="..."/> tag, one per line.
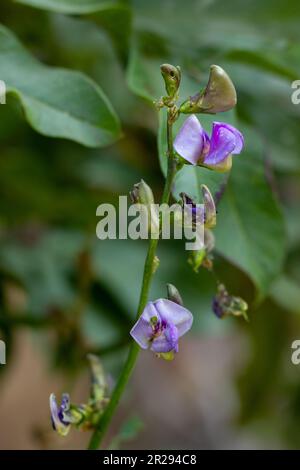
<point x="59" y="414"/>
<point x="160" y="326"/>
<point x="224" y="304"/>
<point x="194" y="145"/>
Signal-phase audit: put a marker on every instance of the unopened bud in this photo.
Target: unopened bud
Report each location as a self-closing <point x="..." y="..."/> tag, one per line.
<point x="172" y="78"/>
<point x="142" y="194"/>
<point x="173" y="294"/>
<point x="210" y="214"/>
<point x="218" y="96"/>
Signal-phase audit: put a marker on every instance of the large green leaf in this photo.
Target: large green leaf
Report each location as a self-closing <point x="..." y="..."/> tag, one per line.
<point x="69" y="6"/>
<point x="113" y="17"/>
<point x="56" y="102"/>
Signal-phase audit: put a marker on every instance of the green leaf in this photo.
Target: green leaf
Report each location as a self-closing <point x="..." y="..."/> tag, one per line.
<point x="57" y="102"/>
<point x="69" y="6"/>
<point x="286" y="293"/>
<point x="115" y="18"/>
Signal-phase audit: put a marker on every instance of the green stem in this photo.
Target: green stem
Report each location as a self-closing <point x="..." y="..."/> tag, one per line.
<point x="147" y="278"/>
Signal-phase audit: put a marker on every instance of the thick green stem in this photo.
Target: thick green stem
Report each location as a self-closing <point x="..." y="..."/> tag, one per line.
<point x="147" y="277"/>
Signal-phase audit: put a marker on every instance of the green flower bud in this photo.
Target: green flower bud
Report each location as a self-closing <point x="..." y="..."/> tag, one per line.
<point x="172" y="78"/>
<point x="218" y="96"/>
<point x="173" y="294"/>
<point x="142" y="194"/>
<point x="210" y="213"/>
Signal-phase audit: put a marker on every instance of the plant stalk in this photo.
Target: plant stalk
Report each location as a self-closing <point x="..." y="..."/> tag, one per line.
<point x="134" y="350"/>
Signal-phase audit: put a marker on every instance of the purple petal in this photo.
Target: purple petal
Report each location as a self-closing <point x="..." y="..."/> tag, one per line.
<point x="59" y="422"/>
<point x="175" y="314"/>
<point x="65" y="402"/>
<point x="142" y="330"/>
<point x="166" y="342"/>
<point x="223" y="142"/>
<point x="190" y="140"/>
<point x="171" y="334"/>
<point x="239" y="139"/>
<point x="193" y="214"/>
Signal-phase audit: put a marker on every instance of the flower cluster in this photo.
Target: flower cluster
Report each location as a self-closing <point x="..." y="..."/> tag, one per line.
<point x="83" y="416"/>
<point x="163" y="321"/>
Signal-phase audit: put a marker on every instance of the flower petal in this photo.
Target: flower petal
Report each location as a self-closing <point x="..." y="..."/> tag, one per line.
<point x="175" y="314"/>
<point x="57" y="414"/>
<point x="166" y="342"/>
<point x="142" y="330"/>
<point x="171" y="334"/>
<point x="239" y="139"/>
<point x="223" y="142"/>
<point x="190" y="140"/>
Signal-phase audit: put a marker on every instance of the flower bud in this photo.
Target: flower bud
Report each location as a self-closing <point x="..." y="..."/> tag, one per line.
<point x="218" y="96"/>
<point x="210" y="214"/>
<point x="172" y="78"/>
<point x="142" y="194"/>
<point x="173" y="294"/>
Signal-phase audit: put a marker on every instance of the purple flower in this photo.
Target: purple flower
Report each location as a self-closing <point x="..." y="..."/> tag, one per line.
<point x="160" y="325"/>
<point x="195" y="146"/>
<point x="59" y="414"/>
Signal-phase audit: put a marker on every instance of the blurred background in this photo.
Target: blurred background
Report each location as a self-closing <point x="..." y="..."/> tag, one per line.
<point x="64" y="293"/>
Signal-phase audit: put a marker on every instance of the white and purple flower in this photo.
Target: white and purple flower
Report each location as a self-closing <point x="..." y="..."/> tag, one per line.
<point x="161" y="325"/>
<point x="61" y="422"/>
<point x="194" y="145"/>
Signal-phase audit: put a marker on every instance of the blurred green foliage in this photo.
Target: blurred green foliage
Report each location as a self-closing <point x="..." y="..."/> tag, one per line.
<point x="54" y="273"/>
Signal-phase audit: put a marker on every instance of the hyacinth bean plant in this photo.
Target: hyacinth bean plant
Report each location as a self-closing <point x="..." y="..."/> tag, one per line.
<point x="161" y="323"/>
